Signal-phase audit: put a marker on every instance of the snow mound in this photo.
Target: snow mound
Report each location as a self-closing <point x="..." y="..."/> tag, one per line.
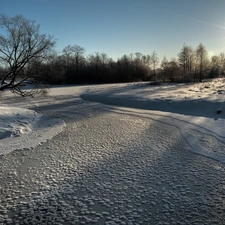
<point x="25" y="129"/>
<point x="14" y="121"/>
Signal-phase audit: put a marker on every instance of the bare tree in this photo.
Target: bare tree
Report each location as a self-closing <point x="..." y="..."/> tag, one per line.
<point x="78" y="51"/>
<point x="21" y="45"/>
<point x="146" y="59"/>
<point x="163" y="67"/>
<point x="164" y="62"/>
<point x="67" y="55"/>
<point x="154" y="63"/>
<point x="74" y="56"/>
<point x="171" y="70"/>
<point x="222" y="61"/>
<point x="186" y="60"/>
<point x="216" y="66"/>
<point x="95" y="60"/>
<point x="138" y="55"/>
<point x="202" y="59"/>
<point x="137" y="61"/>
<point x="216" y="61"/>
<point x="104" y="59"/>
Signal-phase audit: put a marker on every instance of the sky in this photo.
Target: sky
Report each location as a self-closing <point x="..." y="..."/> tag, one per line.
<point x="118" y="27"/>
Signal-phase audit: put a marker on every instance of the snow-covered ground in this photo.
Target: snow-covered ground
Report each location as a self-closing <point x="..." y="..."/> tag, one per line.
<point x="21" y="128"/>
<point x="186" y="106"/>
<point x="131" y="160"/>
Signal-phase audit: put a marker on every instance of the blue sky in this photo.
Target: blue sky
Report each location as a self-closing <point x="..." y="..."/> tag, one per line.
<point x="119" y="27"/>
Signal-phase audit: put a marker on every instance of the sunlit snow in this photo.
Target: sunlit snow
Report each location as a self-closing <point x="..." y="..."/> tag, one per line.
<point x="190" y="107"/>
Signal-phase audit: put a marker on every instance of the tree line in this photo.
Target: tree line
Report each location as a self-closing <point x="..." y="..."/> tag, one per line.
<point x="73" y="67"/>
<point x="26" y="56"/>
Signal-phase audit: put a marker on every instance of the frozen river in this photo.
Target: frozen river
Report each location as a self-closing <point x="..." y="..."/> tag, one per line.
<point x="111" y="166"/>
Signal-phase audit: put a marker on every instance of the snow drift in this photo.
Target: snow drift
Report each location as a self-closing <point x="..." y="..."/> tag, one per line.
<point x="24" y="128"/>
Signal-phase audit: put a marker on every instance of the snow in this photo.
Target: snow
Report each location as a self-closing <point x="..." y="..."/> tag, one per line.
<point x="186" y="106"/>
<point x="24" y="129"/>
<point x="149" y="155"/>
<point x="14" y="121"/>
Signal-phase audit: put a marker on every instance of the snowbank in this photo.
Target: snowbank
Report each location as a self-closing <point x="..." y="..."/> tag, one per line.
<point x="23" y="128"/>
<point x="14" y="121"/>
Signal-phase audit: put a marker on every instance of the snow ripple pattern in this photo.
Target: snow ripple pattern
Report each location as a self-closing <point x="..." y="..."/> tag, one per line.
<point x="109" y="167"/>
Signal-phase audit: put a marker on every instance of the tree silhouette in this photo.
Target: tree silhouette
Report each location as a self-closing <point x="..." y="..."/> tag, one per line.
<point x="21" y="45"/>
<point x="202" y="58"/>
<point x="154" y="63"/>
<point x="186" y="60"/>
